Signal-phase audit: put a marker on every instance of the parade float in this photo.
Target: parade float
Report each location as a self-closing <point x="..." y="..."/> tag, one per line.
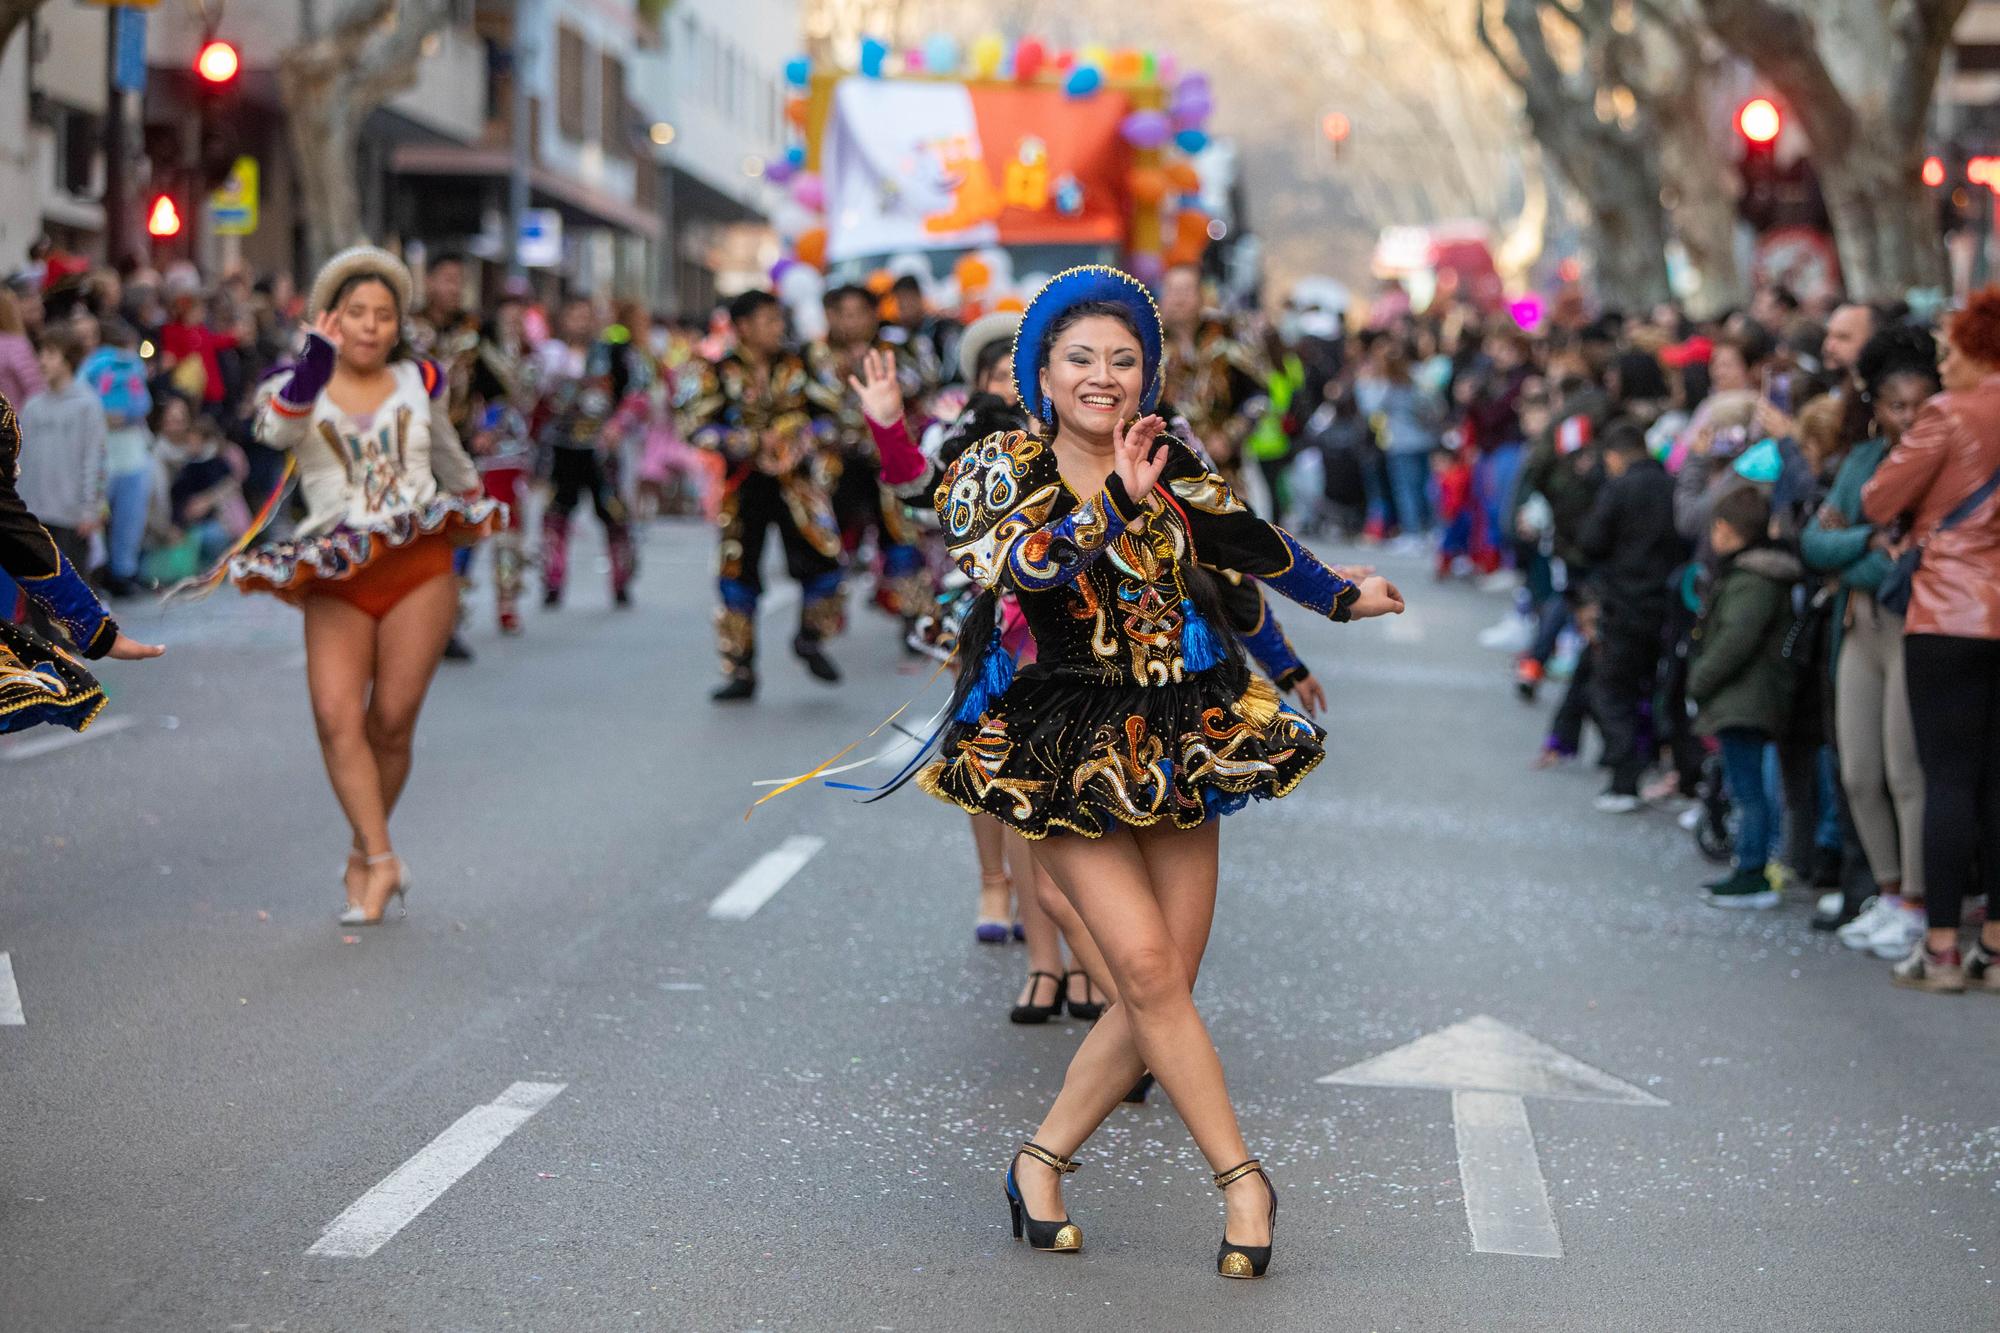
<point x="987" y="167"/>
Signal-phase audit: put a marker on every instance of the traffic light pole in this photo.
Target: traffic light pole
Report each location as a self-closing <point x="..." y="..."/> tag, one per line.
<point x="120" y="208"/>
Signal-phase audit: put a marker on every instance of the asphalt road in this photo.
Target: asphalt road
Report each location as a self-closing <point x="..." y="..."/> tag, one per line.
<point x="217" y="1107"/>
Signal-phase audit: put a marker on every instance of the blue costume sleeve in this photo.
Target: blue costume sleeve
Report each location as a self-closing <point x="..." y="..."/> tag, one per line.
<point x="70" y="603"/>
<point x="996" y="503"/>
<point x="1228" y="536"/>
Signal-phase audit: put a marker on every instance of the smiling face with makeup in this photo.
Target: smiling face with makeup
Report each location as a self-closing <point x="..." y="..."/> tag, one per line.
<point x="1095" y="375"/>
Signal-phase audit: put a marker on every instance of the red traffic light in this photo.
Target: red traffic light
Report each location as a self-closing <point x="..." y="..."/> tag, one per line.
<point x="1336" y="126"/>
<point x="217" y="63"/>
<point x="163" y="219"/>
<point x="1759" y="121"/>
<point x="1933" y="172"/>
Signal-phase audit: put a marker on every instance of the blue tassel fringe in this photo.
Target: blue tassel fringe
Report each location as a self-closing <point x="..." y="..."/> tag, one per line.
<point x="1200" y="650"/>
<point x="996" y="673"/>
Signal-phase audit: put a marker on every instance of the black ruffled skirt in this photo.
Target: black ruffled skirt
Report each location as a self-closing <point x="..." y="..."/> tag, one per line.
<point x="40" y="682"/>
<point x="1062" y="751"/>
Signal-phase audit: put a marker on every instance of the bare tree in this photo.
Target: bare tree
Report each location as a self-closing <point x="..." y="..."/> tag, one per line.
<point x="1680" y="68"/>
<point x="1859" y="75"/>
<point x="331" y="80"/>
<point x="1585" y="115"/>
<point x="13" y="13"/>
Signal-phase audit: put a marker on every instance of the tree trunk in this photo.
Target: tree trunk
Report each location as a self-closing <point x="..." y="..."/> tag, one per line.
<point x="1885" y="223"/>
<point x="323" y="146"/>
<point x="1614" y="170"/>
<point x="330" y="82"/>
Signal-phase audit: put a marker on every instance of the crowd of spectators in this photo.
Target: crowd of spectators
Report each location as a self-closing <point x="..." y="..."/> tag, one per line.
<point x="1762" y="554"/>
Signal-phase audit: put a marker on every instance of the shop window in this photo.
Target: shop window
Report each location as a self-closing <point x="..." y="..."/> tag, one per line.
<point x="613" y="128"/>
<point x="571" y="55"/>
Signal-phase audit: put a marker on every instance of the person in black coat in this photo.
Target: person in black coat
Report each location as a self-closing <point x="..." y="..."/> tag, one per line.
<point x="1633" y="549"/>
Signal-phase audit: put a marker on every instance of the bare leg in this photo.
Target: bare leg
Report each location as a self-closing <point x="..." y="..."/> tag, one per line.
<point x="1111" y="883"/>
<point x="1044" y="944"/>
<point x="1083" y="950"/>
<point x="988" y="840"/>
<point x="410" y="643"/>
<point x="340" y="658"/>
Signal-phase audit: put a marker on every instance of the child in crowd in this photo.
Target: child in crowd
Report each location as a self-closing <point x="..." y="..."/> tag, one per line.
<point x="1452" y="475"/>
<point x="117" y="376"/>
<point x="63" y="451"/>
<point x="1739" y="678"/>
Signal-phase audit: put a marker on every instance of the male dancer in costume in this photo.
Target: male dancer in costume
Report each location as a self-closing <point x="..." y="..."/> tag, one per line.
<point x="584" y="379"/>
<point x="860" y="501"/>
<point x="753" y="407"/>
<point x="1210" y="375"/>
<point x="446" y="333"/>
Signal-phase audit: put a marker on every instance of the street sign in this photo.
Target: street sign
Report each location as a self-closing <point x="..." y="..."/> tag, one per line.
<point x="232" y="208"/>
<point x="128" y="74"/>
<point x="1489" y="1069"/>
<point x="540" y="243"/>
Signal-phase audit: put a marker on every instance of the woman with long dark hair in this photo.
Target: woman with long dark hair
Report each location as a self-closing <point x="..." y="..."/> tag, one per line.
<point x="1939" y="489"/>
<point x="389" y="491"/>
<point x="1137" y="727"/>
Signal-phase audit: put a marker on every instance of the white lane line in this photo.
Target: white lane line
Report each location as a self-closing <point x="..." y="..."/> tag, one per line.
<point x="755" y="886"/>
<point x="10" y="996"/>
<point x="373" y="1218"/>
<point x="63" y="739"/>
<point x="1506" y="1202"/>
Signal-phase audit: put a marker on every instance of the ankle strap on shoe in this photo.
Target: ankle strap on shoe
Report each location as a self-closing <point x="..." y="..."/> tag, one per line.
<point x="1224" y="1179"/>
<point x="1053" y="1161"/>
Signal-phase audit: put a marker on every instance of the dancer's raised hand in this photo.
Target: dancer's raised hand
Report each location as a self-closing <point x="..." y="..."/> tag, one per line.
<point x="1138" y="456"/>
<point x="880" y="394"/>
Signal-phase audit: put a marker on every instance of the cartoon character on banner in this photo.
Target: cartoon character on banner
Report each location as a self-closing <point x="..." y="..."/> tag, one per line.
<point x="1027" y="181"/>
<point x="962" y="174"/>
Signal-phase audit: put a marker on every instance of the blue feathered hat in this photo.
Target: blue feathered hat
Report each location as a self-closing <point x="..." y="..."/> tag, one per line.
<point x="1073" y="287"/>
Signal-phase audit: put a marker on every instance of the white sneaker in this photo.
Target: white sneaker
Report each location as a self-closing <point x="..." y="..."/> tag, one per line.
<point x="1511" y="635"/>
<point x="1616" y="803"/>
<point x="1829" y="904"/>
<point x="1874" y="914"/>
<point x="1690" y="817"/>
<point x="1903" y="932"/>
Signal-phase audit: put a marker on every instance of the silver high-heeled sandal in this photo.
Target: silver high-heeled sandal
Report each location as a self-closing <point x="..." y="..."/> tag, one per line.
<point x="355" y="915"/>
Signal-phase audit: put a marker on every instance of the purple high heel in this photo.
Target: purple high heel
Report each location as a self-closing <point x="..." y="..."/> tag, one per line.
<point x="990" y="932"/>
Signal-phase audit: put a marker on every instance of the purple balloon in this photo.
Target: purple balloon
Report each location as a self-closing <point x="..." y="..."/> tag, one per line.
<point x="1147" y="129"/>
<point x="1191" y="109"/>
<point x="1147" y="267"/>
<point x="1194" y="82"/>
<point x="778" y="270"/>
<point x="779" y="170"/>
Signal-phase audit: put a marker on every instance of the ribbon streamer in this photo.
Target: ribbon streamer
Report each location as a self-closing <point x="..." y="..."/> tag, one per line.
<point x="201" y="585"/>
<point x="779" y="786"/>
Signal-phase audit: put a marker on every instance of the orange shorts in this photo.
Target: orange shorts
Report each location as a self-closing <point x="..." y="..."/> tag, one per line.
<point x="377" y="588"/>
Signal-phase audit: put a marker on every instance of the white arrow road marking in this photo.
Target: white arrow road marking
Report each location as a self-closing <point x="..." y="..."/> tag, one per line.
<point x="755" y="886"/>
<point x="1489" y="1069"/>
<point x="62" y="739"/>
<point x="1506" y="1202"/>
<point x="393" y="1204"/>
<point x="10" y="996"/>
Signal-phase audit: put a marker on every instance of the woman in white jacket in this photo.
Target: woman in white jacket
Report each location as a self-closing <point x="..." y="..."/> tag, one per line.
<point x="389" y="492"/>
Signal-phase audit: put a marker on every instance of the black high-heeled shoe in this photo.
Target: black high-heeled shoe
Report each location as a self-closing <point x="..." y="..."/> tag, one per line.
<point x="1245" y="1260"/>
<point x="1137" y="1097"/>
<point x="1090" y="1010"/>
<point x="1038" y="1013"/>
<point x="1059" y="1237"/>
